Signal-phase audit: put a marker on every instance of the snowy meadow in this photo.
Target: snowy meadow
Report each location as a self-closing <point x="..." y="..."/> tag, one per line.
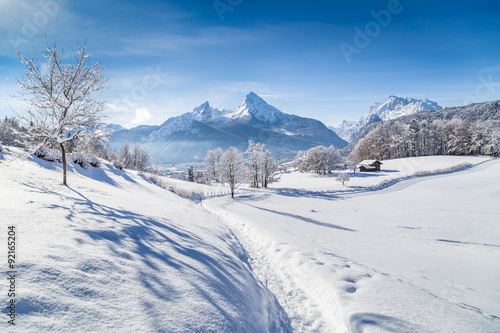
<point x="115" y="252"/>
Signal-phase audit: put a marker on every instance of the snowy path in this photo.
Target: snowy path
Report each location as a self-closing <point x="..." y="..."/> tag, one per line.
<point x="421" y="255"/>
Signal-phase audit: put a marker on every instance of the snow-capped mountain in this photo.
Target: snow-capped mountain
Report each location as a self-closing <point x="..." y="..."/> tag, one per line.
<point x="187" y="137"/>
<point x="392" y="108"/>
<point x="206" y="113"/>
<point x="395" y="107"/>
<point x="253" y="108"/>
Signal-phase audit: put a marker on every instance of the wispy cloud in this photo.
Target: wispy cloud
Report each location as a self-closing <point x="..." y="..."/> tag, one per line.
<point x="154" y="44"/>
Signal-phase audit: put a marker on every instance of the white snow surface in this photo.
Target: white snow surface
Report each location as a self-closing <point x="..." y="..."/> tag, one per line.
<point x="114" y="253"/>
<point x="391" y="171"/>
<point x="422" y="255"/>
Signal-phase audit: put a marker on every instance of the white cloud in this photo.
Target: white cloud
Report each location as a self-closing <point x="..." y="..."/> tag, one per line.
<point x="141" y="116"/>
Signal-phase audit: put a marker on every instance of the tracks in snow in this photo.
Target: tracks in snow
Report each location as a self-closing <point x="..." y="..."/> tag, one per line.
<point x="303" y="314"/>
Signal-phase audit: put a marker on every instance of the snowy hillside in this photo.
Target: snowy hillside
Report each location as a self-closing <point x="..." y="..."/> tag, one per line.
<point x="419" y="256"/>
<point x="392" y="108"/>
<point x="114" y="253"/>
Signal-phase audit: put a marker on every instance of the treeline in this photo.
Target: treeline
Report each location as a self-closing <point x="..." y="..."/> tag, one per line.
<point x="439" y="137"/>
<point x="84" y="150"/>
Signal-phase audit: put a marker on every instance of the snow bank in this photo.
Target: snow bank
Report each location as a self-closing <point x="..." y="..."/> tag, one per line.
<point x="114" y="253"/>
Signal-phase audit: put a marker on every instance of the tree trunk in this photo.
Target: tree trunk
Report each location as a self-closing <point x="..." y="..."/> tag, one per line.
<point x="63" y="153"/>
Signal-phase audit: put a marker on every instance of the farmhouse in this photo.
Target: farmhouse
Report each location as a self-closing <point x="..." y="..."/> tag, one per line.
<point x="369" y="165"/>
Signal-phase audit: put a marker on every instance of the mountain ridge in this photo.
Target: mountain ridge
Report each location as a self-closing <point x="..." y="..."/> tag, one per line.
<point x="392" y="108"/>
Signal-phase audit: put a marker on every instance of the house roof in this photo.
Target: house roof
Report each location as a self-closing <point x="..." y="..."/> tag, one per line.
<point x="369" y="162"/>
<point x="367" y="167"/>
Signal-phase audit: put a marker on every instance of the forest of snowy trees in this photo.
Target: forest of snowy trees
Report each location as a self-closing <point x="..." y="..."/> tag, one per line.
<point x="440" y="137"/>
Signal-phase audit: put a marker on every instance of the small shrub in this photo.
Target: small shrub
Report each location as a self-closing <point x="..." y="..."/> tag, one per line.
<point x="47" y="154"/>
<point x="1" y="148"/>
<point x="93" y="161"/>
<point x="118" y="165"/>
<point x="79" y="159"/>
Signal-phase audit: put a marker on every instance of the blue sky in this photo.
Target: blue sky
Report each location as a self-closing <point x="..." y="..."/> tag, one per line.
<point x="164" y="58"/>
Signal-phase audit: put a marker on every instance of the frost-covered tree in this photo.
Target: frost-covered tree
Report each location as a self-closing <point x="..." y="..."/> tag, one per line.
<point x="269" y="166"/>
<point x="11" y="132"/>
<point x="231" y="168"/>
<point x="353" y="166"/>
<point x="125" y="156"/>
<point x="319" y="159"/>
<point x="254" y="154"/>
<point x="343" y="177"/>
<point x="212" y="162"/>
<point x="62" y="95"/>
<point x="261" y="165"/>
<point x="140" y="158"/>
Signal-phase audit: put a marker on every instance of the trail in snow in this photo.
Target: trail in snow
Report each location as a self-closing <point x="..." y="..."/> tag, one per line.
<point x="415" y="256"/>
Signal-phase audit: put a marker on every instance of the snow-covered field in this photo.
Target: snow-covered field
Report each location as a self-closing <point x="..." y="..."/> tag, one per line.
<point x="390" y="170"/>
<point x="114" y="253"/>
<point x="420" y="256"/>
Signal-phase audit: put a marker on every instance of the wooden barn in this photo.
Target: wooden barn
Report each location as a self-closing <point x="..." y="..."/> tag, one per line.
<point x="369" y="165"/>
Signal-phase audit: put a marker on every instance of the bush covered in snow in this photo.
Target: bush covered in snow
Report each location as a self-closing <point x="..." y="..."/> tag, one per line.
<point x="46" y="154"/>
<point x="93" y="161"/>
<point x="118" y="165"/>
<point x="1" y="148"/>
<point x="78" y="159"/>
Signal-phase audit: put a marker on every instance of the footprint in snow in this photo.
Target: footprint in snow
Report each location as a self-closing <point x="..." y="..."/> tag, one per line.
<point x="350" y="290"/>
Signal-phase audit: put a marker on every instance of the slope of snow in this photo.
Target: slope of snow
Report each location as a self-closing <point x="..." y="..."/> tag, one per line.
<point x="420" y="256"/>
<point x="113" y="253"/>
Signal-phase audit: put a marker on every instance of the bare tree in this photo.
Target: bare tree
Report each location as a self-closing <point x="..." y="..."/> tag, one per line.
<point x="61" y="96"/>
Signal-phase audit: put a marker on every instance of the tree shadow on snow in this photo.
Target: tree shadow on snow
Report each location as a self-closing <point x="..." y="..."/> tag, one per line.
<point x="361" y="321"/>
<point x="293" y="192"/>
<point x="302" y="218"/>
<point x="142" y="240"/>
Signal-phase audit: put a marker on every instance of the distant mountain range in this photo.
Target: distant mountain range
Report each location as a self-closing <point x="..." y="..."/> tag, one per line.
<point x="187" y="137"/>
<point x="487" y="111"/>
<point x="393" y="108"/>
